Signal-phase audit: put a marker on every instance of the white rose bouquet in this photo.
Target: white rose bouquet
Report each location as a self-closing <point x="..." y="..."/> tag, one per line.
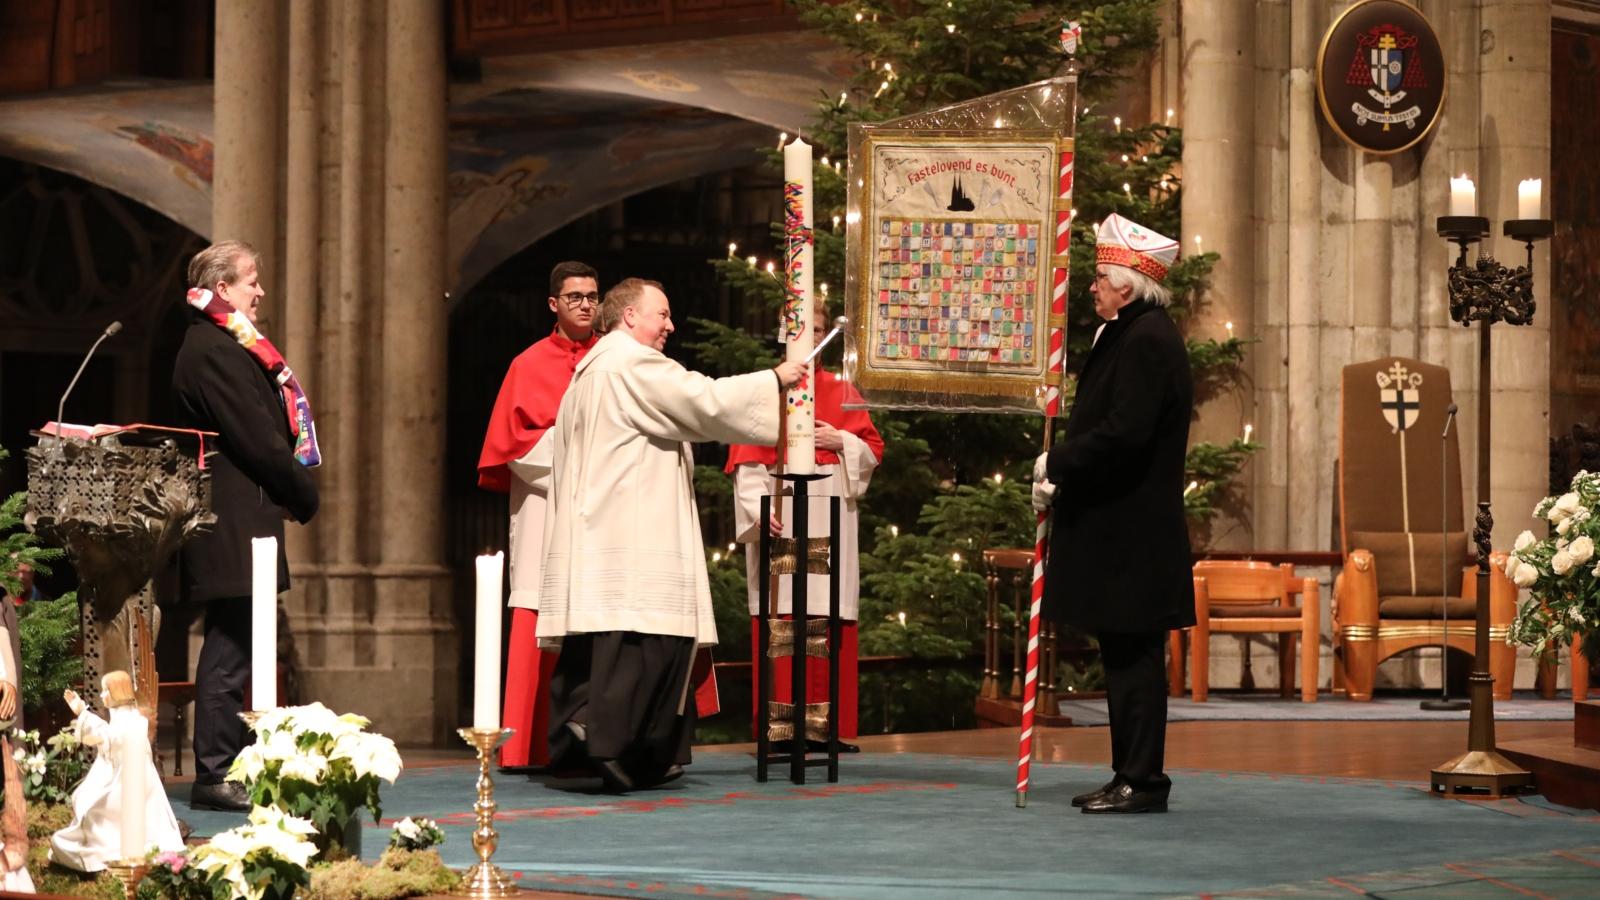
<point x="308" y="761"/>
<point x="1561" y="572"/>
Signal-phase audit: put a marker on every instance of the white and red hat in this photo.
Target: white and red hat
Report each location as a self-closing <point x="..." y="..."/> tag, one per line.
<point x="1125" y="243"/>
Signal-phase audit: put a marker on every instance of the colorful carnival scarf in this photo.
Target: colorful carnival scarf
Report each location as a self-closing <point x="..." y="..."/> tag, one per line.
<point x="294" y="397"/>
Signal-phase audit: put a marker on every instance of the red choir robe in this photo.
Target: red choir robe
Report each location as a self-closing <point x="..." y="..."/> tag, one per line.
<point x="850" y="470"/>
<point x="525" y="409"/>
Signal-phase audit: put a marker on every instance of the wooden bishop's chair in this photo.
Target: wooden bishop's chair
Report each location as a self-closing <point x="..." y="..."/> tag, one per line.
<point x="1403" y="530"/>
<point x="1251" y="598"/>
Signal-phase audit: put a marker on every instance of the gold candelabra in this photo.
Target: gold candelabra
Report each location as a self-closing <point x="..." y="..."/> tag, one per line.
<point x="485" y="879"/>
<point x="130" y="872"/>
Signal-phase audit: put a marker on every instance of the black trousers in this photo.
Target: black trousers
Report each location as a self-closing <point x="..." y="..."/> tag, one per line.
<point x="219" y="681"/>
<point x="1136" y="697"/>
<point x="624" y="688"/>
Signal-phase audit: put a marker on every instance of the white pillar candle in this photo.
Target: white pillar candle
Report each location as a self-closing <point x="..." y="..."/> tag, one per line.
<point x="800" y="437"/>
<point x="1463" y="197"/>
<point x="263" y="623"/>
<point x="135" y="750"/>
<point x="1528" y="191"/>
<point x="486" y="652"/>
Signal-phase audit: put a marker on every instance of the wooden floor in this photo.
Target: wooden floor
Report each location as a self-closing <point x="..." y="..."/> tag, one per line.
<point x="1403" y="751"/>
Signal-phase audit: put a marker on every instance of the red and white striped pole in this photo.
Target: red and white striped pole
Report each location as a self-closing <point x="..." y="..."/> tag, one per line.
<point x="1052" y="408"/>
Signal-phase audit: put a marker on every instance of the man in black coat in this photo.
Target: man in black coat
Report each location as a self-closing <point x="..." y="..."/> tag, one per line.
<point x="1119" y="563"/>
<point x="256" y="483"/>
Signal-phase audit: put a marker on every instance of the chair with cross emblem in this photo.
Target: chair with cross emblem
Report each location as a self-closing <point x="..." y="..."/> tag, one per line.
<point x="1407" y="554"/>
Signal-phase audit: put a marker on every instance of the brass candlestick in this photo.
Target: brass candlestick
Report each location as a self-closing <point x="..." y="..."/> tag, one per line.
<point x="130" y="872"/>
<point x="485" y="879"/>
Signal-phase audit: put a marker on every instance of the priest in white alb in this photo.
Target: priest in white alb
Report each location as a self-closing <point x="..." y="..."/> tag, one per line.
<point x="624" y="586"/>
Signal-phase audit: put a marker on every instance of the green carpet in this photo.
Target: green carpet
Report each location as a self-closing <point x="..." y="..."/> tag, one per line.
<point x="933" y="826"/>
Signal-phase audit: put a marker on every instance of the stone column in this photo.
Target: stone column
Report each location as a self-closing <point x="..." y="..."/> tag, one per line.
<point x="1515" y="133"/>
<point x="248" y="105"/>
<point x="413" y="587"/>
<point x="303" y="221"/>
<point x="1308" y="491"/>
<point x="1219" y="194"/>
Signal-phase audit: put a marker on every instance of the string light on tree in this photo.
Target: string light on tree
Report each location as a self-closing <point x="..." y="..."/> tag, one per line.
<point x="1247" y="429"/>
<point x="1117" y="121"/>
<point x="783" y="138"/>
<point x="732" y="249"/>
<point x="1229" y="326"/>
<point x="1190" y="489"/>
<point x="999" y="478"/>
<point x="1169" y="115"/>
<point x="751" y="260"/>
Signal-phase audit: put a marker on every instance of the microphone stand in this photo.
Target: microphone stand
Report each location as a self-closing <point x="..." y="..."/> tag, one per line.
<point x="61" y="406"/>
<point x="1444" y="703"/>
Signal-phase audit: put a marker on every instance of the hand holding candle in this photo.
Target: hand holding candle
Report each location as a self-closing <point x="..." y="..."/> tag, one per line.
<point x="486" y="650"/>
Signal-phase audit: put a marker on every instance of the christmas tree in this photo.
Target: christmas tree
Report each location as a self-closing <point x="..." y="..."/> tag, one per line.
<point x="951" y="486"/>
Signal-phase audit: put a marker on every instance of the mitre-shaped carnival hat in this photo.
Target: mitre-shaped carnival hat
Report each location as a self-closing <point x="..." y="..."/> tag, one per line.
<point x="1124" y="243"/>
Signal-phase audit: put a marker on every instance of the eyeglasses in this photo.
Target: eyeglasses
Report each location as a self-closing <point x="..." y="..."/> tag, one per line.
<point x="576" y="299"/>
<point x="1100" y="275"/>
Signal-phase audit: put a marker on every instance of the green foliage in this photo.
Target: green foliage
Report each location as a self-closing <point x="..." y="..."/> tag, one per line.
<point x="398" y="873"/>
<point x="51" y="768"/>
<point x="18" y="546"/>
<point x="1211" y="469"/>
<point x="48" y="632"/>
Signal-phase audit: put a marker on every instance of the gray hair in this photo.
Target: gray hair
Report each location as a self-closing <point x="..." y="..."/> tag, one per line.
<point x="1144" y="287"/>
<point x="219" y="263"/>
<point x="625" y="293"/>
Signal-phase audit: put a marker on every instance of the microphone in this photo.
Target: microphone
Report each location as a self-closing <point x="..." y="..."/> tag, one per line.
<point x="1449" y="416"/>
<point x="111" y="329"/>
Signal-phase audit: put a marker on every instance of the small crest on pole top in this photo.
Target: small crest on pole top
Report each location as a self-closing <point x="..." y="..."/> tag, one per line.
<point x="1071" y="32"/>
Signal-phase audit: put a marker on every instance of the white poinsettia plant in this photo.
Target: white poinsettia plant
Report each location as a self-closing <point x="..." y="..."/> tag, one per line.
<point x="1561" y="572"/>
<point x="310" y="761"/>
<point x="267" y="857"/>
<point x="415" y="834"/>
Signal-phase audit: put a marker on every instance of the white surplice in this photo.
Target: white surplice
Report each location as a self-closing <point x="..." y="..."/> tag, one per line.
<point x="848" y="481"/>
<point x="622" y="544"/>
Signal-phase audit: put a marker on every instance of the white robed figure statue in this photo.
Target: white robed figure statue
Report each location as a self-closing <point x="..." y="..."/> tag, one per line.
<point x="94" y="837"/>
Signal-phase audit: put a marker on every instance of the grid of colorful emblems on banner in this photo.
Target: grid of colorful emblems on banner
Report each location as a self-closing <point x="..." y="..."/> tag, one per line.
<point x="960" y="291"/>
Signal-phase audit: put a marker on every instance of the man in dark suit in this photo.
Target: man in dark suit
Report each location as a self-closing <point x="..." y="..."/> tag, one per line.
<point x="1119" y="563"/>
<point x="256" y="482"/>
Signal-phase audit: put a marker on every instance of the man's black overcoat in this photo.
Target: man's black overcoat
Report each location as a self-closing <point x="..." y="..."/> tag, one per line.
<point x="1119" y="545"/>
<point x="218" y="386"/>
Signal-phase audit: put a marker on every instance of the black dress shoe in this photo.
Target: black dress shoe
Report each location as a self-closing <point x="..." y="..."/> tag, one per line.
<point x="1097" y="793"/>
<point x="224" y="796"/>
<point x="1125" y="798"/>
<point x="612" y="773"/>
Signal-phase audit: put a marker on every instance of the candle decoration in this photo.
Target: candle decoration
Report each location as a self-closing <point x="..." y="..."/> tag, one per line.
<point x="486" y="650"/>
<point x="485" y="879"/>
<point x="1463" y="196"/>
<point x="1528" y="198"/>
<point x="263" y="623"/>
<point x="800" y="425"/>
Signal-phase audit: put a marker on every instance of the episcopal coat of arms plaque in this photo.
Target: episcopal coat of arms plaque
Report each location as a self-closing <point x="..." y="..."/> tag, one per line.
<point x="1381" y="76"/>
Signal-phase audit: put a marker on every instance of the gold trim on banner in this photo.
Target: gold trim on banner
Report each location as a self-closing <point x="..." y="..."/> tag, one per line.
<point x="1015" y="381"/>
<point x="1060" y="261"/>
<point x="1057" y="321"/>
<point x="1063" y="145"/>
<point x="1064" y="204"/>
